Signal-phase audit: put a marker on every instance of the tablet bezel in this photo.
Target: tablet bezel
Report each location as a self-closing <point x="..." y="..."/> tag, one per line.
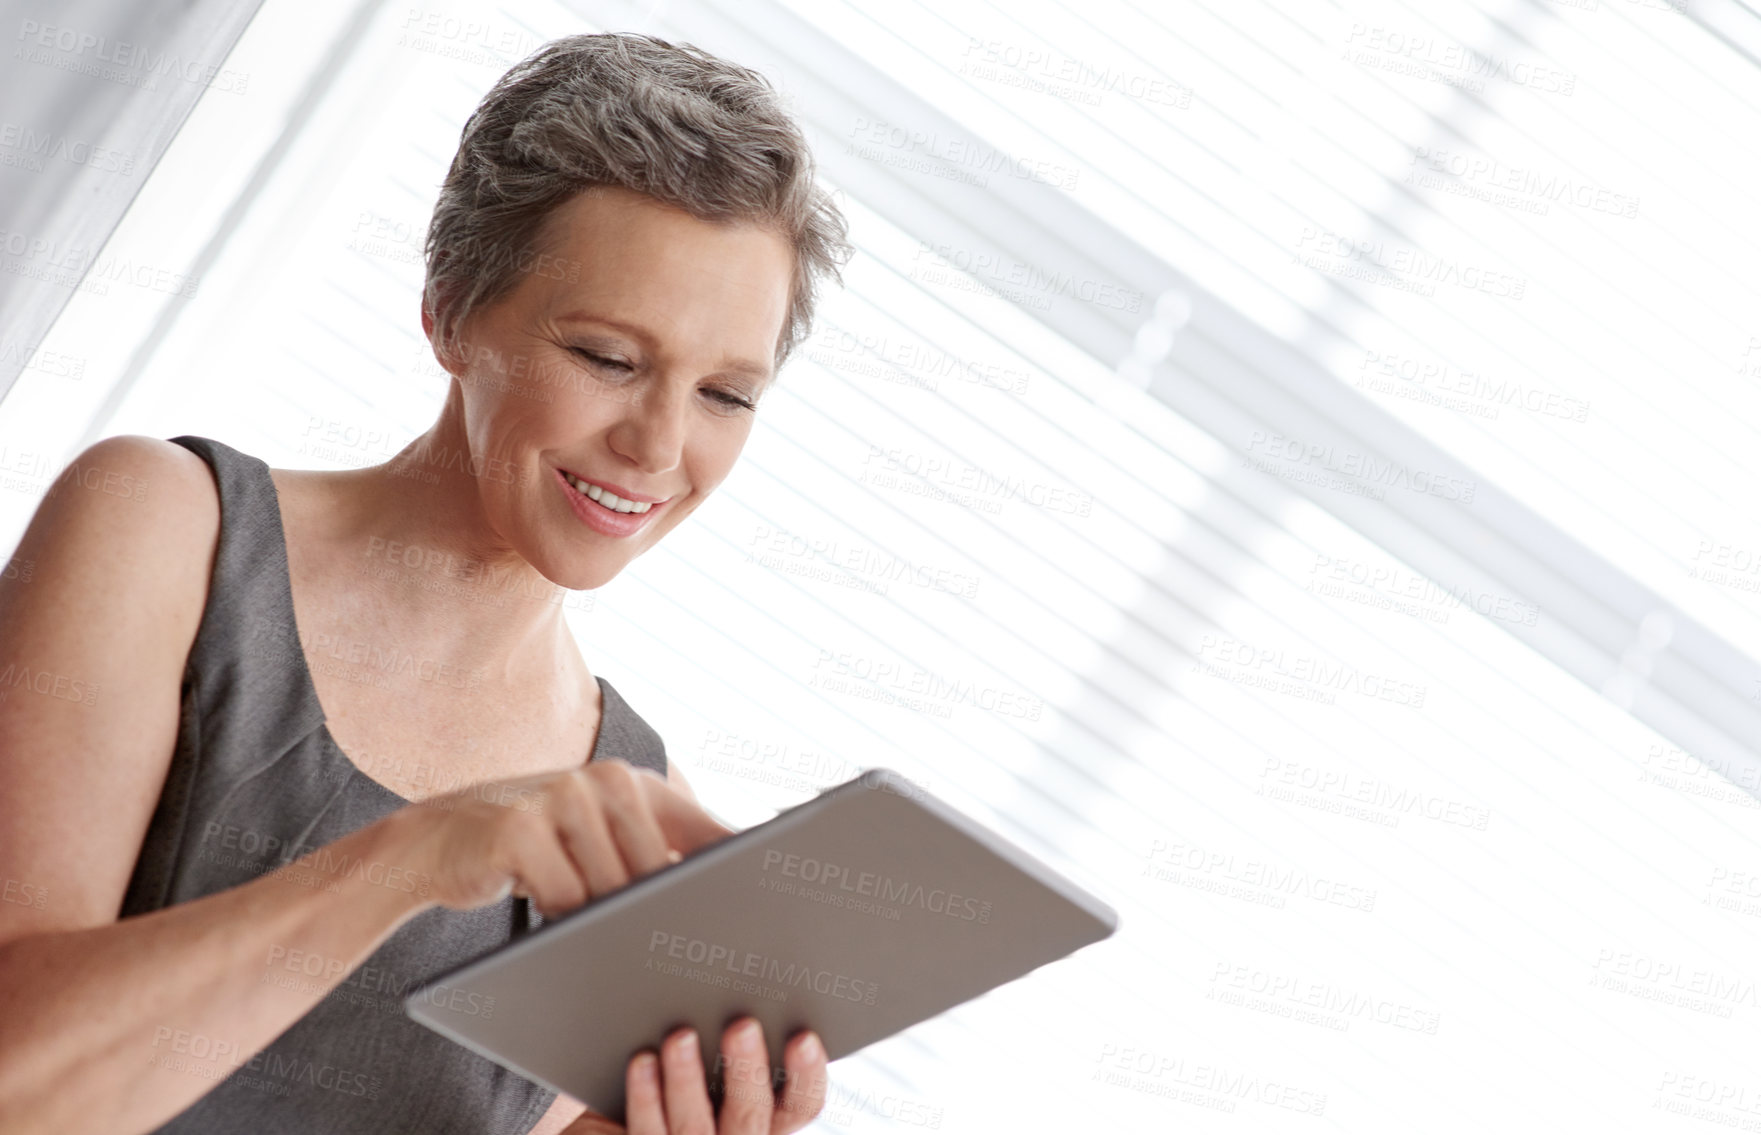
<point x="878" y="779"/>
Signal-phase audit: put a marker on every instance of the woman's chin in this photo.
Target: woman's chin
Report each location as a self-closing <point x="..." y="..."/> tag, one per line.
<point x="587" y="576"/>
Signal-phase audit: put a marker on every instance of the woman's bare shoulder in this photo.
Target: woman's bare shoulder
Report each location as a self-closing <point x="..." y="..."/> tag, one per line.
<point x="132" y="466"/>
<point x="130" y="511"/>
<point x="97" y="615"/>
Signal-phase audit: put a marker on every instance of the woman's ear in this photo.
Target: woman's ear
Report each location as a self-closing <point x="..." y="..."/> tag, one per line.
<point x="451" y="361"/>
<point x="436" y="290"/>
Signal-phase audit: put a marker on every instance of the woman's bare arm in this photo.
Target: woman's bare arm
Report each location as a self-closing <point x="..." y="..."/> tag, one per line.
<point x="97" y="615"/>
<point x="122" y="1026"/>
<point x="118" y="1026"/>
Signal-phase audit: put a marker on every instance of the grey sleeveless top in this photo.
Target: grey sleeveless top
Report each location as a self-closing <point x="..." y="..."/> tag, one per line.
<point x="257" y="781"/>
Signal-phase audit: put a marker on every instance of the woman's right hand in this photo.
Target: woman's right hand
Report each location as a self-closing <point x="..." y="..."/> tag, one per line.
<point x="560" y="838"/>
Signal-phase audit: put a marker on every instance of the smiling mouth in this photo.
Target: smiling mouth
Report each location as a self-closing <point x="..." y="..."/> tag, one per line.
<point x="605" y="498"/>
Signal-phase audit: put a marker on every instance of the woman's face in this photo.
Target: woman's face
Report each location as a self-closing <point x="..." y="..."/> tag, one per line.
<point x="629" y="356"/>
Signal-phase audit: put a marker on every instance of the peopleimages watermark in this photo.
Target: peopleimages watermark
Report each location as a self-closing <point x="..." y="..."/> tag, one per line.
<point x="427" y="457"/>
<point x="746" y="971"/>
<point x="1363" y="797"/>
<point x="1735" y="890"/>
<point x="844" y="1100"/>
<point x="82" y="267"/>
<point x="873" y="885"/>
<point x="364" y="986"/>
<point x="1693" y="1096"/>
<point x="63" y="687"/>
<point x="437" y="32"/>
<point x="478" y="581"/>
<point x="1322" y="1003"/>
<point x="432" y="785"/>
<point x="387" y="238"/>
<point x="20" y="893"/>
<point x="1424" y="56"/>
<point x="1513" y="187"/>
<point x="1018" y="280"/>
<point x="1668" y="982"/>
<point x="1251" y="880"/>
<point x="28" y="357"/>
<point x="1206" y="1085"/>
<point x="26" y="147"/>
<point x="1373" y="260"/>
<point x="1217" y="653"/>
<point x="1363" y="474"/>
<point x="1667" y="766"/>
<point x="772" y="762"/>
<point x="1393" y="588"/>
<point x="181" y="1050"/>
<point x="1749" y="362"/>
<point x="425" y="461"/>
<point x="25" y="470"/>
<point x="908" y="362"/>
<point x="117" y="61"/>
<point x="1466" y="392"/>
<point x="346" y="443"/>
<point x="921" y="688"/>
<point x="958" y="159"/>
<point x="1051" y="72"/>
<point x="1726" y="564"/>
<point x="964" y="483"/>
<point x="375" y="664"/>
<point x="321" y="866"/>
<point x="780" y="549"/>
<point x="110" y="482"/>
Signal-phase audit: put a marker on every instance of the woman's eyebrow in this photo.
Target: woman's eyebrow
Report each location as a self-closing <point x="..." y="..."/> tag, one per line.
<point x="745" y="368"/>
<point x="640" y="333"/>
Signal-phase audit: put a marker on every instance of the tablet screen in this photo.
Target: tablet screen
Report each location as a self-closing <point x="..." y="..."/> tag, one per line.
<point x="859" y="913"/>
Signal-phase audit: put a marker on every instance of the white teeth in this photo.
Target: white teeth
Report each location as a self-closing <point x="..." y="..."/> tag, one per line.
<point x="607" y="498"/>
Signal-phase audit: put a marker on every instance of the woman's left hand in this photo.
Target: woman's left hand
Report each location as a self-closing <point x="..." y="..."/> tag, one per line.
<point x="667" y="1095"/>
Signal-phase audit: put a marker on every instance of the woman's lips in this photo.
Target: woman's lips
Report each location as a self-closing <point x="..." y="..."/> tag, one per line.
<point x="602" y="519"/>
<point x="623" y="493"/>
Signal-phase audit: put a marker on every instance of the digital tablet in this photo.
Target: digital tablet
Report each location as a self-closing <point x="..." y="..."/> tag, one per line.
<point x="859" y="913"/>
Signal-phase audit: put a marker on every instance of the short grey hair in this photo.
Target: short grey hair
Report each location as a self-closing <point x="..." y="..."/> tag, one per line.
<point x="671" y="121"/>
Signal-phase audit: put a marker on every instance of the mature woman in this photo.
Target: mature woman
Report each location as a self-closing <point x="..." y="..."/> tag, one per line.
<point x="290" y="742"/>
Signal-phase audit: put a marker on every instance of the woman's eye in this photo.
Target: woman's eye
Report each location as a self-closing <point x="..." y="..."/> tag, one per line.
<point x="606" y="362"/>
<point x="602" y="360"/>
<point x="727" y="399"/>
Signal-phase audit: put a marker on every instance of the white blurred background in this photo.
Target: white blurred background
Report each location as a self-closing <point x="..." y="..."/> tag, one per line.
<point x="1307" y="453"/>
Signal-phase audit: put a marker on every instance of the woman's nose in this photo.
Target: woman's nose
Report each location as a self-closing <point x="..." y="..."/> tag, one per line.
<point x="651" y="431"/>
